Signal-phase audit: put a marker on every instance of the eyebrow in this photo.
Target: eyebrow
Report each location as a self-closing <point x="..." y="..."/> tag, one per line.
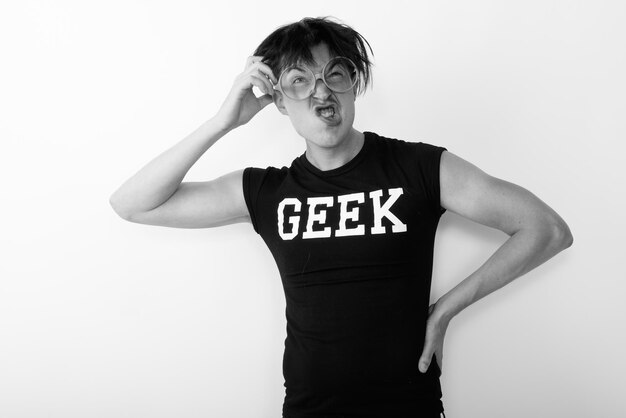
<point x="302" y="67"/>
<point x="301" y="64"/>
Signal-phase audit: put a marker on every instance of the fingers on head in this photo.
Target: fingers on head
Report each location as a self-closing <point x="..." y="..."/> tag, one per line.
<point x="268" y="72"/>
<point x="252" y="59"/>
<point x="262" y="83"/>
<point x="255" y="63"/>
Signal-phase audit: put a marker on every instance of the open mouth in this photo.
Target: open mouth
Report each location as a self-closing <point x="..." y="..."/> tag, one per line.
<point x="326" y="111"/>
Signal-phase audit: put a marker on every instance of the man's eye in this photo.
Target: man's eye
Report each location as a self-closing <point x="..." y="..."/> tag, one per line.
<point x="297" y="80"/>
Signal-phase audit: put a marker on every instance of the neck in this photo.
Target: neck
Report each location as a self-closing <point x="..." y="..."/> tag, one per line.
<point x="329" y="158"/>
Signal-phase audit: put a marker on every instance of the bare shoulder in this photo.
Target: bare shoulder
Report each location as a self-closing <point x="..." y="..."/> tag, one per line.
<point x="201" y="204"/>
<point x="469" y="191"/>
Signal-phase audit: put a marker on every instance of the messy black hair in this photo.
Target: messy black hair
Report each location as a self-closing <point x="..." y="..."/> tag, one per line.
<point x="291" y="44"/>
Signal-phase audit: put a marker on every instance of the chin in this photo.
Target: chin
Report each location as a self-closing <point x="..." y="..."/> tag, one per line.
<point x="327" y="139"/>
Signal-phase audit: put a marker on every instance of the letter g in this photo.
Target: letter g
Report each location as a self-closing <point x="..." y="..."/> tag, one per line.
<point x="293" y="220"/>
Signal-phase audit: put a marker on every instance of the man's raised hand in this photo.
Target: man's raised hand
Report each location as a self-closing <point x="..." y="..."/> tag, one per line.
<point x="241" y="104"/>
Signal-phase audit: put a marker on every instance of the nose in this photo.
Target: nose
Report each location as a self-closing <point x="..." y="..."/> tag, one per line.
<point x="320" y="89"/>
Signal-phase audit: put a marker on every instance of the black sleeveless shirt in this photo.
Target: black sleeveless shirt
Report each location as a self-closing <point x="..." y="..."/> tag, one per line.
<point x="354" y="248"/>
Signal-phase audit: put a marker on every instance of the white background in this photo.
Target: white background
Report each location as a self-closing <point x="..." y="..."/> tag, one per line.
<point x="100" y="317"/>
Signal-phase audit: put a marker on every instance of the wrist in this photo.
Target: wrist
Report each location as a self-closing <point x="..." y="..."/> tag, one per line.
<point x="221" y="125"/>
<point x="443" y="311"/>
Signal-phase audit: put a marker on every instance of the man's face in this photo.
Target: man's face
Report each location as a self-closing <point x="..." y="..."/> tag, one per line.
<point x="308" y="121"/>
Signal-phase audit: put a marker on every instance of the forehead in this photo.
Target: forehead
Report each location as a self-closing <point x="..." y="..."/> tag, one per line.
<point x="320" y="55"/>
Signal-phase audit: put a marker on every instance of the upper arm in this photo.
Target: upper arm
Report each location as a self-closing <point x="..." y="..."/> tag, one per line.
<point x="470" y="192"/>
<point x="201" y="204"/>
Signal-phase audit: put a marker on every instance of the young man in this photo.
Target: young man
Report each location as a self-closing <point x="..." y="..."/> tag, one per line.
<point x="351" y="224"/>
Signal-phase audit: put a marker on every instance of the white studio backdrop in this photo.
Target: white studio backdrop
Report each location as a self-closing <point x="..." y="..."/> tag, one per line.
<point x="100" y="317"/>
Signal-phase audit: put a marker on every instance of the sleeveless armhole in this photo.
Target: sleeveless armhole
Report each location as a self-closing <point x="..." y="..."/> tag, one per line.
<point x="252" y="179"/>
<point x="430" y="163"/>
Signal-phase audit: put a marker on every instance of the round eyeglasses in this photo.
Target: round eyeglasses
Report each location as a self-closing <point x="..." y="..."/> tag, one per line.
<point x="298" y="82"/>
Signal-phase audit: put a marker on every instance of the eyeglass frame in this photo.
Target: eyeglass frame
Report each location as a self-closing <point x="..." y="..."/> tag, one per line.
<point x="316" y="77"/>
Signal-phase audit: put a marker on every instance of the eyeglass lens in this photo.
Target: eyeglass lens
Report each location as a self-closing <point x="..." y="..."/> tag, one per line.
<point x="298" y="82"/>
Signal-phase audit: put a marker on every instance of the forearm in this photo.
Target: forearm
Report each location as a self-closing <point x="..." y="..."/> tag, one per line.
<point x="158" y="180"/>
<point x="522" y="252"/>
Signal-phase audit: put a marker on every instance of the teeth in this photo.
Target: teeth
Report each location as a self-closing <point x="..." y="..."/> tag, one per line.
<point x="327" y="112"/>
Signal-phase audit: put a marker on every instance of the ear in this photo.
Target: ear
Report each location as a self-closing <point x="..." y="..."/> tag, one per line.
<point x="279" y="101"/>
